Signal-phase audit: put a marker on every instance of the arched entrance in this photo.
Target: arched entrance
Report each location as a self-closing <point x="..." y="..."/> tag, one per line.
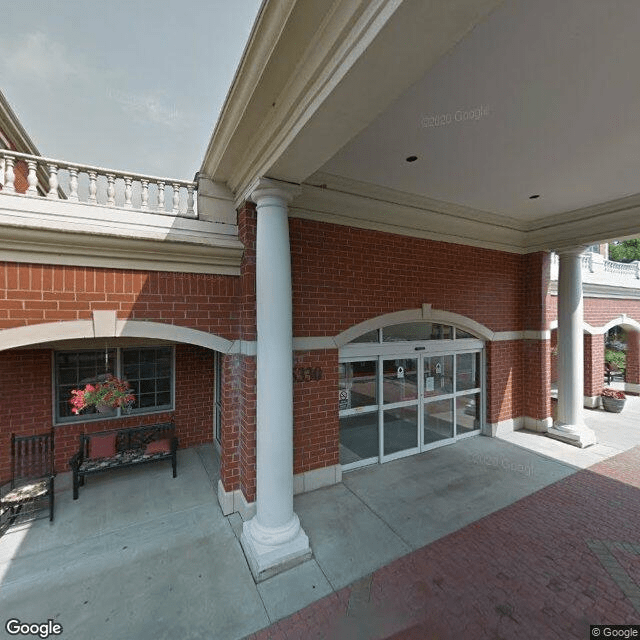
<point x="407" y="388"/>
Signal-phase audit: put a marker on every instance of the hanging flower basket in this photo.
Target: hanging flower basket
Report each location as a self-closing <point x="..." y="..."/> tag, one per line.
<point x="110" y="393"/>
<point x="613" y="400"/>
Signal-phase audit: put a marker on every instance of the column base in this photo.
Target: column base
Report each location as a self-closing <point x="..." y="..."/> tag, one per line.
<point x="271" y="551"/>
<point x="578" y="436"/>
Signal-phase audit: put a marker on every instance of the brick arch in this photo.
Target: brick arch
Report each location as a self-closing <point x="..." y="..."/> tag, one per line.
<point x="425" y="314"/>
<point x="105" y="324"/>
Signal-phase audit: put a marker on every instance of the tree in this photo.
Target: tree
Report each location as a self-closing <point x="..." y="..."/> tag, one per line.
<point x="625" y="251"/>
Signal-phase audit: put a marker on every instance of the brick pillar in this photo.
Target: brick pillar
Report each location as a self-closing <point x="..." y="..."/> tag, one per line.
<point x="632" y="375"/>
<point x="553" y="346"/>
<point x="536" y="363"/>
<point x="593" y="368"/>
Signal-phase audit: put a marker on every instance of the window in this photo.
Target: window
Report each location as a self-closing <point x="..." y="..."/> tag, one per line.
<point x="149" y="371"/>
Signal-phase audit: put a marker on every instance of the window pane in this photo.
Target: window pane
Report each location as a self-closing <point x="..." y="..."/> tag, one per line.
<point x="463" y="334"/>
<point x="400" y="380"/>
<point x="357" y="385"/>
<point x="370" y="336"/>
<point x="148" y="371"/>
<point x="74" y="370"/>
<point x="358" y="437"/>
<point x="438" y="420"/>
<point x="400" y="429"/>
<point x="438" y="375"/>
<point x="468" y="413"/>
<point x="467" y="371"/>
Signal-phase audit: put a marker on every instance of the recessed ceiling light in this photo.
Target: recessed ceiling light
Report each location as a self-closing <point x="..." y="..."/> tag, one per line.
<point x="535" y="196"/>
<point x="412" y="158"/>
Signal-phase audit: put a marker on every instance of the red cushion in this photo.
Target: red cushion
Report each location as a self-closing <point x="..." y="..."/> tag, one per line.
<point x="158" y="446"/>
<point x="103" y="446"/>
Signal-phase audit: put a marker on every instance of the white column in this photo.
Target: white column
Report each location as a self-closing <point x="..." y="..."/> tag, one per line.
<point x="273" y="539"/>
<point x="570" y="425"/>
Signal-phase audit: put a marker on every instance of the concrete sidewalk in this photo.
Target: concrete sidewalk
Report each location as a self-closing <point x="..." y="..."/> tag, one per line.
<point x="143" y="555"/>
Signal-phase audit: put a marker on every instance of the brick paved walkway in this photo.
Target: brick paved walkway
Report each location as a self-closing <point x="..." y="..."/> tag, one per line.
<point x="545" y="567"/>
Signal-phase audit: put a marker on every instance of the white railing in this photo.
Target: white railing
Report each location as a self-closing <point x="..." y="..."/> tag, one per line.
<point x="55" y="179"/>
<point x="621" y="268"/>
<point x="597" y="270"/>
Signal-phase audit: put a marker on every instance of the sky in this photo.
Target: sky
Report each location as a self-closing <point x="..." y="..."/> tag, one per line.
<point x="133" y="85"/>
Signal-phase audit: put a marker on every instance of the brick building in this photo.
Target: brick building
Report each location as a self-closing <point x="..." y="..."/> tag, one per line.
<point x="325" y="295"/>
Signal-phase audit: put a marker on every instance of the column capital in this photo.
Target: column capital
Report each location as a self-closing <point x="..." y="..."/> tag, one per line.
<point x="572" y="251"/>
<point x="269" y="188"/>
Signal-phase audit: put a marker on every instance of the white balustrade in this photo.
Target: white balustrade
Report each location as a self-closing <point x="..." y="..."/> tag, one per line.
<point x="9" y="176"/>
<point x="56" y="179"/>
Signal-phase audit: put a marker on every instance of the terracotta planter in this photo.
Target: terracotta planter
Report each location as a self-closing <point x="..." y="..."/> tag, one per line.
<point x="613" y="404"/>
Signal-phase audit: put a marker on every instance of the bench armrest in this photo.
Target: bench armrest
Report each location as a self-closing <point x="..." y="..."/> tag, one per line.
<point x="75" y="461"/>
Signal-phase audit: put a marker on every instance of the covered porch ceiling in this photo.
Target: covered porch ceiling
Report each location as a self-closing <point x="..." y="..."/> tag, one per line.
<point x="442" y="119"/>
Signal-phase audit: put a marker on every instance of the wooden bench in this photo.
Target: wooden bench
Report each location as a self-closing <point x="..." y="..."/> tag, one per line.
<point x="106" y="450"/>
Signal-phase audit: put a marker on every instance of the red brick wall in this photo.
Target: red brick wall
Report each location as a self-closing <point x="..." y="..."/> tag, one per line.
<point x="632" y="373"/>
<point x="593" y="364"/>
<point x="247" y="286"/>
<point x="248" y="429"/>
<point x="343" y="276"/>
<point x="535" y="371"/>
<point x="553" y="346"/>
<point x="26" y="398"/>
<point x="599" y="311"/>
<point x="535" y="284"/>
<point x="31" y="294"/>
<point x="238" y="432"/>
<point x="504" y="380"/>
<point x="315" y="412"/>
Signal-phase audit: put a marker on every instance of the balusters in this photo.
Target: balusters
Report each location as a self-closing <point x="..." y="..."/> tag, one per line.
<point x="144" y="195"/>
<point x="53" y="181"/>
<point x="190" y="211"/>
<point x="73" y="184"/>
<point x="32" y="178"/>
<point x="160" y="195"/>
<point x="176" y="198"/>
<point x="127" y="192"/>
<point x="93" y="187"/>
<point x="9" y="176"/>
<point x="111" y="190"/>
<point x="74" y="193"/>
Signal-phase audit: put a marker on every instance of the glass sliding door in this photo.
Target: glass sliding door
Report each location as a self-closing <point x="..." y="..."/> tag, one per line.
<point x="358" y="412"/>
<point x="438" y="410"/>
<point x="408" y="388"/>
<point x="468" y="399"/>
<point x="400" y="426"/>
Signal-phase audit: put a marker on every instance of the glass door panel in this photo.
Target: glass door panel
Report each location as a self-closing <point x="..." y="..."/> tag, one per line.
<point x="358" y="437"/>
<point x="467" y="413"/>
<point x="438" y="375"/>
<point x="438" y="421"/>
<point x="400" y="429"/>
<point x="467" y="371"/>
<point x="400" y="380"/>
<point x="357" y="384"/>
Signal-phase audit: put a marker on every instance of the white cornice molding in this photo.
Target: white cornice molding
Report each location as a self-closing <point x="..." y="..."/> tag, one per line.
<point x="62" y="232"/>
<point x="602" y="222"/>
<point x="323" y="74"/>
<point x="267" y="29"/>
<point x="357" y="204"/>
<point x="14" y="130"/>
<point x="591" y="290"/>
